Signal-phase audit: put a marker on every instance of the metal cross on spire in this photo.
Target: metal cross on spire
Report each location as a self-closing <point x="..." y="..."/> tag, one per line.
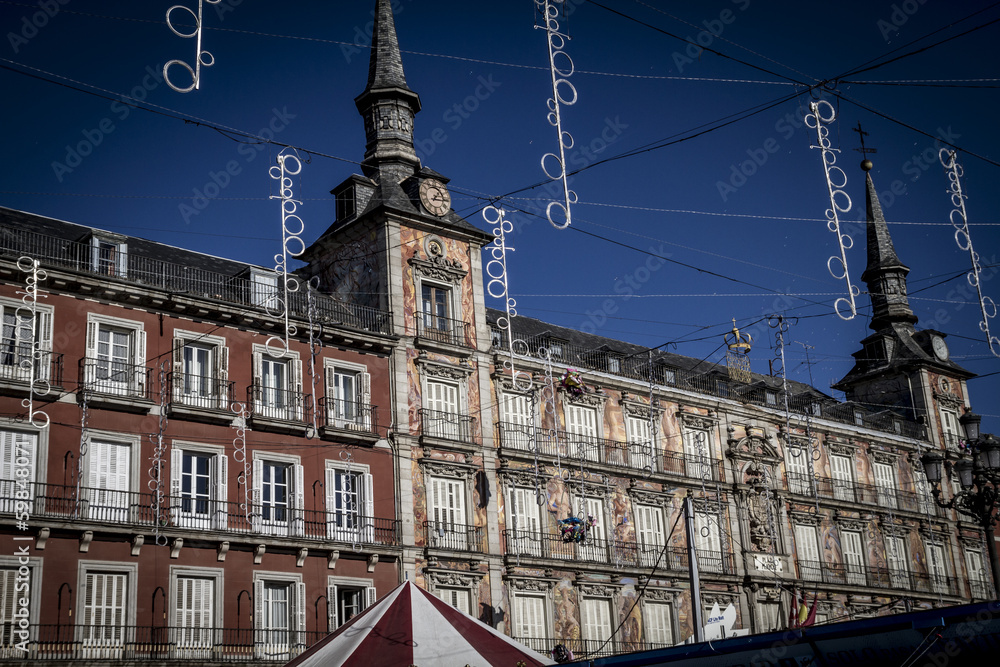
<point x="862" y="134"/>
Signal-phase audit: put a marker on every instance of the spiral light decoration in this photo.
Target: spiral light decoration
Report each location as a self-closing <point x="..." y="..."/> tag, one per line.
<point x="291" y="245"/>
<point x="26" y="336"/>
<point x="202" y="57"/>
<point x="157" y="462"/>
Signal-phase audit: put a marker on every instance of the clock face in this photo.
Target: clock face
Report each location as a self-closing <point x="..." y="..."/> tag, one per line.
<point x="940" y="348"/>
<point x="435" y="197"/>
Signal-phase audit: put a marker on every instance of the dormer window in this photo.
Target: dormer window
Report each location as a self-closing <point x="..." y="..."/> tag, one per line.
<point x="109" y="256"/>
<point x="345" y="204"/>
<point x="263" y="288"/>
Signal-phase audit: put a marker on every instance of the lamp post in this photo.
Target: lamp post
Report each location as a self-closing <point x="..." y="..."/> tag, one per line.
<point x="977" y="463"/>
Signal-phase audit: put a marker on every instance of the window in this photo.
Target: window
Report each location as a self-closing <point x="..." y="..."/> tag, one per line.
<point x="895" y="556"/>
<point x="441" y="412"/>
<point x="842" y="468"/>
<point x="525" y="522"/>
<point x="447" y="514"/>
<point x="348" y="395"/>
<point x="197" y="610"/>
<point x="581" y="422"/>
<point x="116" y="356"/>
<point x="17" y="341"/>
<point x="807" y="551"/>
<point x="109" y="257"/>
<point x="346" y="598"/>
<point x="109" y="485"/>
<point x="698" y="453"/>
<point x="707" y="542"/>
<point x="264" y="289"/>
<point x="771" y="398"/>
<point x="885" y="484"/>
<point x="19" y="592"/>
<point x="436" y="309"/>
<point x="459" y="598"/>
<point x="201" y="371"/>
<point x="936" y="568"/>
<point x="596" y="617"/>
<point x="668" y="375"/>
<point x="950" y="428"/>
<point x="349" y="504"/>
<point x="530" y="620"/>
<point x="979" y="579"/>
<point x="859" y="418"/>
<point x="770" y="616"/>
<point x="199" y="487"/>
<point x="107" y="609"/>
<point x="640" y="438"/>
<point x="516" y="420"/>
<point x="658" y="624"/>
<point x="595" y="549"/>
<point x="649" y="534"/>
<point x="278" y="494"/>
<point x="17" y="448"/>
<point x="797" y="465"/>
<point x="854" y="559"/>
<point x="279" y="615"/>
<point x="278" y="385"/>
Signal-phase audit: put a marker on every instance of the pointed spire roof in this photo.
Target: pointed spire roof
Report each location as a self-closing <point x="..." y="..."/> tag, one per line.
<point x="881" y="252"/>
<point x="385" y="66"/>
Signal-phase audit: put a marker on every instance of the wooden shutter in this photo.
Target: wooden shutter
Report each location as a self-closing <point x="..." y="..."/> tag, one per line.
<point x="139" y="338"/>
<point x="258" y="604"/>
<point x="295" y="367"/>
<point x="595" y="508"/>
<point x="176" y="470"/>
<point x="853" y="552"/>
<point x="370" y="596"/>
<point x="707" y="533"/>
<point x="222" y="490"/>
<point x="331" y="606"/>
<point x="529" y="611"/>
<point x="885" y="481"/>
<point x="806" y="545"/>
<point x="257" y="482"/>
<point x="298" y="493"/>
<point x="300" y="610"/>
<point x="366" y="388"/>
<point x="649" y="525"/>
<point x="525" y="511"/>
<point x="895" y="555"/>
<point x="659" y="629"/>
<point x="596" y="619"/>
<point x="368" y="521"/>
<point x="8" y="596"/>
<point x="935" y="562"/>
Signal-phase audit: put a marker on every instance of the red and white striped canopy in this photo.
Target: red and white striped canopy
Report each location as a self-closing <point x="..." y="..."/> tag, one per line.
<point x="409" y="626"/>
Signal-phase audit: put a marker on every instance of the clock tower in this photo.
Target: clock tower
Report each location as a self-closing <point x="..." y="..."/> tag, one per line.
<point x="899" y="367"/>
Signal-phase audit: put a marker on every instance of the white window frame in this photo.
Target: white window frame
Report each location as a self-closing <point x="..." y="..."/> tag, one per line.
<point x="696" y="459"/>
<point x="13" y="446"/>
<point x="979" y="577"/>
<point x="442" y="527"/>
<point x="641" y="436"/>
<point x="596" y="547"/>
<point x="121" y="507"/>
<point x="216" y="518"/>
<point x="897" y="561"/>
<point x="118" y="266"/>
<point x="937" y="567"/>
<point x="451" y="320"/>
<point x="842" y="479"/>
<point x="807" y="552"/>
<point x="182" y="636"/>
<point x="359" y="526"/>
<point x="456" y="593"/>
<point x="216" y="398"/>
<point x="288" y="405"/>
<point x="354" y="413"/>
<point x="334" y="586"/>
<point x="22" y="348"/>
<point x="444" y="423"/>
<point x="650" y="539"/>
<point x="8" y="638"/>
<point x="264" y="288"/>
<point x="951" y="430"/>
<point x="297" y="601"/>
<point x="885" y="484"/>
<point x="708" y="547"/>
<point x="96" y="648"/>
<point x="530" y="528"/>
<point x="590" y="631"/>
<point x="134" y="383"/>
<point x="521" y="627"/>
<point x="854" y="563"/>
<point x="663" y="611"/>
<point x="797" y="464"/>
<point x="517" y="419"/>
<point x="294" y="523"/>
<point x="578" y="418"/>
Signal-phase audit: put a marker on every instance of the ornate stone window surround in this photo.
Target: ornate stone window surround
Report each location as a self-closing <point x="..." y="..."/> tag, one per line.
<point x="460" y="471"/>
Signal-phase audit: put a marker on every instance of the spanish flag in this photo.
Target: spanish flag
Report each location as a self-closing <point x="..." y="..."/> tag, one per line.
<point x="802" y="615"/>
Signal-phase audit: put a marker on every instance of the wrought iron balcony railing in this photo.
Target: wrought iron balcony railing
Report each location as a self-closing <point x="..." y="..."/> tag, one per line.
<point x="637" y="456"/>
<point x="446" y="425"/>
<point x="877" y="577"/>
<point x="589" y="648"/>
<point x="115" y="378"/>
<point x="533" y="544"/>
<point x="455" y="536"/>
<point x="279" y="404"/>
<point x="863" y="494"/>
<point x="182" y="279"/>
<point x="443" y="329"/>
<point x="201" y="391"/>
<point x="197" y="512"/>
<point x="132" y="644"/>
<point x="347" y="415"/>
<point x="16" y="362"/>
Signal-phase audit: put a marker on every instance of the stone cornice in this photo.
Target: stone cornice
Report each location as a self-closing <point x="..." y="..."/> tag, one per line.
<point x="948" y="400"/>
<point x="697" y="421"/>
<point x="595" y="398"/>
<point x="439" y="268"/>
<point x="448" y="468"/>
<point x="805" y="518"/>
<point x="455" y="578"/>
<point x="522" y="584"/>
<point x="438" y="369"/>
<point x="882" y="456"/>
<point x="660" y="595"/>
<point x="598" y="590"/>
<point x="646" y="497"/>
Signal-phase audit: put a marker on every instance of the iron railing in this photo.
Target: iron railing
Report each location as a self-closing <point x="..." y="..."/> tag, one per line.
<point x="347" y="415"/>
<point x="713" y="382"/>
<point x="280" y="404"/>
<point x="631" y="455"/>
<point x="455" y="536"/>
<point x="132" y="509"/>
<point x="446" y="425"/>
<point x="201" y="391"/>
<point x="588" y="648"/>
<point x="16" y="362"/>
<point x="115" y="378"/>
<point x="863" y="494"/>
<point x="443" y="329"/>
<point x="183" y="279"/>
<point x="533" y="544"/>
<point x="111" y="644"/>
<point x="877" y="577"/>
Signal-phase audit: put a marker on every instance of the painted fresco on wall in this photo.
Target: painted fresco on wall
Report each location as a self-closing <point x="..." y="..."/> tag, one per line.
<point x="565" y="620"/>
<point x="413" y="392"/>
<point x="353" y="270"/>
<point x="411" y="245"/>
<point x="419" y="503"/>
<point x="631" y="628"/>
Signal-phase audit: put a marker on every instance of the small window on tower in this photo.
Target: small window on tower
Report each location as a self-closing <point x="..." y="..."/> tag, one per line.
<point x="345" y="204"/>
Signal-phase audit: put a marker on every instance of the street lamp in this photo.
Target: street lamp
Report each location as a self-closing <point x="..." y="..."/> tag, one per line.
<point x="978" y="467"/>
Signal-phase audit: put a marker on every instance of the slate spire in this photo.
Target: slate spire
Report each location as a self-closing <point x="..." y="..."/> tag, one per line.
<point x="885" y="275"/>
<point x="387" y="105"/>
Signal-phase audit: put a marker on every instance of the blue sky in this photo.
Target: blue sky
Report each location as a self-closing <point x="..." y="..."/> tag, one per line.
<point x="744" y="203"/>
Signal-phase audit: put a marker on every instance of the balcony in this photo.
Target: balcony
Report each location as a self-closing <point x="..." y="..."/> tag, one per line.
<point x="595" y="550"/>
<point x="863" y="494"/>
<point x="589" y="648"/>
<point x="279" y="410"/>
<point x="436" y="329"/>
<point x="16" y="366"/>
<point x="633" y="456"/>
<point x="347" y="419"/>
<point x="128" y="510"/>
<point x="182" y="280"/>
<point x="455" y="536"/>
<point x="446" y="426"/>
<point x="714" y="562"/>
<point x="877" y="577"/>
<point x="981" y="589"/>
<point x="201" y="397"/>
<point x="115" y="384"/>
<point x="113" y="644"/>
